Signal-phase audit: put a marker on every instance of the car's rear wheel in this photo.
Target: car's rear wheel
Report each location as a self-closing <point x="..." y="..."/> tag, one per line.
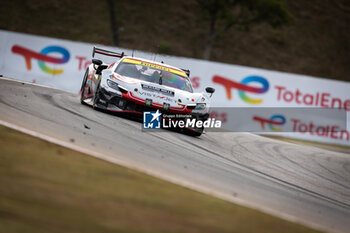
<point x="83" y="86"/>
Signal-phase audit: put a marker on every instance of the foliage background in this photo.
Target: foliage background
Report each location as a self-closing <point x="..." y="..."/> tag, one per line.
<point x="316" y="42"/>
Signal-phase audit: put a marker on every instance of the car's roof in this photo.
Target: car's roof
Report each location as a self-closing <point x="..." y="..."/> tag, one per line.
<point x="171" y="68"/>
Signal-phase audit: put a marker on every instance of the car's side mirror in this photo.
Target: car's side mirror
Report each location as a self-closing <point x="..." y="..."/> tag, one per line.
<point x="97" y="62"/>
<point x="99" y="65"/>
<point x="210" y="90"/>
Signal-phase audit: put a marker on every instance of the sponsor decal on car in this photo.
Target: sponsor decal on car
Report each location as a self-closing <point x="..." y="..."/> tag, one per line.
<point x="125" y="79"/>
<point x="164" y="98"/>
<point x="157" y="89"/>
<point x="159" y="67"/>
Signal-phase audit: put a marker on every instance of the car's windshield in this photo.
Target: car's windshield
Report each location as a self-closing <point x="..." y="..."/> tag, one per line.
<point x="154" y="74"/>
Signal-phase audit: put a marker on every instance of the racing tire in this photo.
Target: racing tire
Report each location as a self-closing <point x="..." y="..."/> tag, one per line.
<point x="83" y="84"/>
<point x="96" y="96"/>
<point x="196" y="133"/>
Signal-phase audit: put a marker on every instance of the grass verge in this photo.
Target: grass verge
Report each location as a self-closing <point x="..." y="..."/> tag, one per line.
<point x="48" y="188"/>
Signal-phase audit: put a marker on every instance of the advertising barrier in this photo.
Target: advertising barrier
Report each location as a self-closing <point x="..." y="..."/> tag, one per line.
<point x="61" y="64"/>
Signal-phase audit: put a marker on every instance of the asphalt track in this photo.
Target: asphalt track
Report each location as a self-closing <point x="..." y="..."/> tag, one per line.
<point x="300" y="183"/>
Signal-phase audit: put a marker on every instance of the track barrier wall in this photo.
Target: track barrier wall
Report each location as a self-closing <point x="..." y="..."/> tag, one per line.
<point x="246" y="98"/>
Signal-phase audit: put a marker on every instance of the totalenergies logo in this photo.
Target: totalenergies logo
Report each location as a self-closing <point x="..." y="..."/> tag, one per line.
<point x="243" y="87"/>
<point x="43" y="57"/>
<point x="275" y="120"/>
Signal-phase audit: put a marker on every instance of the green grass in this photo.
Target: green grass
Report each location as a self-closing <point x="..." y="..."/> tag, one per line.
<point x="47" y="188"/>
<point x="316" y="42"/>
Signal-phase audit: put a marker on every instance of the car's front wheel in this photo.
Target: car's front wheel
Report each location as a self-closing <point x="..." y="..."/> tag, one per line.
<point x="195" y="132"/>
<point x="96" y="95"/>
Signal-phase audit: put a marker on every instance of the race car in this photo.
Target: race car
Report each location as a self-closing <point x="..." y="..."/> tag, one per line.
<point x="136" y="85"/>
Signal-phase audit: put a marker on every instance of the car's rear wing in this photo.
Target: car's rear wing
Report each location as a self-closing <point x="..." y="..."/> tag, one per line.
<point x="106" y="52"/>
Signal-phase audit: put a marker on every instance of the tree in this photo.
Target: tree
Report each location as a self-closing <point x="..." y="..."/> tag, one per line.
<point x="225" y="14"/>
<point x="114" y="22"/>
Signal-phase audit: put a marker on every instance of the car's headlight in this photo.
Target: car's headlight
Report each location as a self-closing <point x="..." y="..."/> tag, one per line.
<point x="112" y="84"/>
<point x="116" y="86"/>
<point x="200" y="106"/>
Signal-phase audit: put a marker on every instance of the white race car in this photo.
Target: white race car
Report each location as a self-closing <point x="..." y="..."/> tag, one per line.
<point x="136" y="85"/>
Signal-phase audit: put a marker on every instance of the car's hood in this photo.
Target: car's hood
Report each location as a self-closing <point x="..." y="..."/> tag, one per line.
<point x="165" y="94"/>
<point x="139" y="91"/>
